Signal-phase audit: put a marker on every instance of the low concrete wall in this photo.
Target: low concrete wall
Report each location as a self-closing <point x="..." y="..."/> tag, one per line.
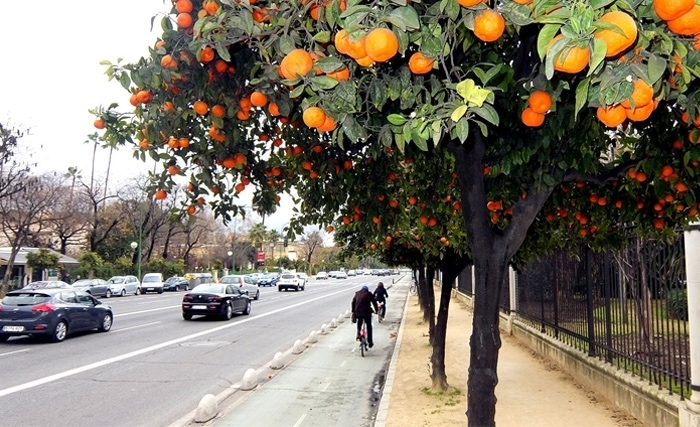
<point x="646" y="402"/>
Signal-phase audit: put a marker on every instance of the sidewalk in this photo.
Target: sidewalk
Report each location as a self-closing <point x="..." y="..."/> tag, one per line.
<point x="329" y="384"/>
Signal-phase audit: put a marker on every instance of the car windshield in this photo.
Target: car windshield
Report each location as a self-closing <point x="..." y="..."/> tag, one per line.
<point x="116" y="280"/>
<point x="173" y="279"/>
<point x="151" y="279"/>
<point x="231" y="279"/>
<point x="82" y="283"/>
<point x="25" y="298"/>
<point x="288" y="276"/>
<point x="209" y="289"/>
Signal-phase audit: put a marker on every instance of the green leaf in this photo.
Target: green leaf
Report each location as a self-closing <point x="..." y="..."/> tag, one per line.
<point x="599" y="50"/>
<point x="478" y="96"/>
<point x="488" y="113"/>
<point x="353" y="10"/>
<point x="462" y="129"/>
<point x="297" y="91"/>
<point x="599" y="4"/>
<point x="458" y="113"/>
<point x="545" y="36"/>
<point x="353" y="129"/>
<point x="124" y="80"/>
<point x="329" y="64"/>
<point x="378" y="94"/>
<point x="286" y="44"/>
<point x="396" y="119"/>
<point x="656" y="68"/>
<point x="406" y="16"/>
<point x="581" y="95"/>
<point x="465" y="88"/>
<point x="322" y="37"/>
<point x="436" y="128"/>
<point x="323" y="83"/>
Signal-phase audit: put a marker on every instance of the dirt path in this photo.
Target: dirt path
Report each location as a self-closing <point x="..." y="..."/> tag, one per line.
<point x="531" y="392"/>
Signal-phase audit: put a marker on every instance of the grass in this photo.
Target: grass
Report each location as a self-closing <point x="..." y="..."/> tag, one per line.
<point x="450" y="397"/>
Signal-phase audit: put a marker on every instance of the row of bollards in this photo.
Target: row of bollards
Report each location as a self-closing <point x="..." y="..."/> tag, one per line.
<point x="208" y="407"/>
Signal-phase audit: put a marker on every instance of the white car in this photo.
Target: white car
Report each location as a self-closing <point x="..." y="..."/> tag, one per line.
<point x="321" y="275"/>
<point x="290" y="281"/>
<point x="341" y="275"/>
<point x="247" y="284"/>
<point x="152" y="282"/>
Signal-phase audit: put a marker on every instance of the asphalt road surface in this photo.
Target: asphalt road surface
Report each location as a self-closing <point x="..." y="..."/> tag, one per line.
<point x="153" y="367"/>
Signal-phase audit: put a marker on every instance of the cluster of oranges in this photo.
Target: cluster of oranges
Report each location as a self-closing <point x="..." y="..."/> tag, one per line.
<point x="681" y="16"/>
<point x="638" y="107"/>
<point x="316" y="118"/>
<point x="489" y="24"/>
<point x="185" y="8"/>
<point x="378" y="45"/>
<point x="538" y="104"/>
<point x="316" y="6"/>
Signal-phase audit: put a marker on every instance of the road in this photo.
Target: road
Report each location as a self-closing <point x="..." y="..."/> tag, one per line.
<point x="153" y="367"/>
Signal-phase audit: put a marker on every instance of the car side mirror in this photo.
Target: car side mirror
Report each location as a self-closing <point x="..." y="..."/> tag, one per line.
<point x="98" y="302"/>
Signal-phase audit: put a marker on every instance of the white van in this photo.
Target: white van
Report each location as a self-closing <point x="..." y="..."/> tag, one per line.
<point x="152" y="282"/>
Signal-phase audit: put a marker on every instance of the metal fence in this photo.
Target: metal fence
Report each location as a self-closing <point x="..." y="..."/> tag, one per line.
<point x="628" y="308"/>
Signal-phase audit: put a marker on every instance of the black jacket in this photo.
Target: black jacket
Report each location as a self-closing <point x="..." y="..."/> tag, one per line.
<point x="380" y="294"/>
<point x="362" y="303"/>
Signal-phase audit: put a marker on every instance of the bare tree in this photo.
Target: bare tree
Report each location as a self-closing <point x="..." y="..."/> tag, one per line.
<point x="12" y="173"/>
<point x="21" y="213"/>
<point x="309" y="244"/>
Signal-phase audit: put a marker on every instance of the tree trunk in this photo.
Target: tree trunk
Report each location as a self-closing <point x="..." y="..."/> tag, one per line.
<point x="429" y="313"/>
<point x="451" y="266"/>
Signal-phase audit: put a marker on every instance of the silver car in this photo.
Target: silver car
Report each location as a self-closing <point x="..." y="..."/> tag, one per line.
<point x="247" y="284"/>
<point x="122" y="285"/>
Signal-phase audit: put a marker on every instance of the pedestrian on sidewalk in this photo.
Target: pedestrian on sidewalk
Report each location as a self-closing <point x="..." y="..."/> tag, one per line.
<point x="362" y="304"/>
<point x="380" y="294"/>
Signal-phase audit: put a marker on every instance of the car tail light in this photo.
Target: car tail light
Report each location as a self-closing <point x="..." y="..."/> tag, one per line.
<point x="44" y="308"/>
<point x="214" y="299"/>
<point x="188" y="298"/>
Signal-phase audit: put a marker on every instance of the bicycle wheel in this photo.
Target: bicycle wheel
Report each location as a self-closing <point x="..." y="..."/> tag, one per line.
<point x="362" y="346"/>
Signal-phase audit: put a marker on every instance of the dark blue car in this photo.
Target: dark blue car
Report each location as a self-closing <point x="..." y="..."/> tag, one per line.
<point x="52" y="313"/>
<point x="268" y="280"/>
<point x="176" y="283"/>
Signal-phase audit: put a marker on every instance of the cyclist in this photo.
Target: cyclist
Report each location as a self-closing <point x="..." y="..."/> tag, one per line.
<point x="362" y="304"/>
<point x="380" y="294"/>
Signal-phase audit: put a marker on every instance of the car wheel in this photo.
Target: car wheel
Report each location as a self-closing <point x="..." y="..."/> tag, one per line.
<point x="248" y="307"/>
<point x="257" y="295"/>
<point x="138" y="291"/>
<point x="108" y="294"/>
<point x="186" y="316"/>
<point x="187" y="287"/>
<point x="279" y="289"/>
<point x="228" y="311"/>
<point x="3" y="338"/>
<point x="123" y="292"/>
<point x="59" y="332"/>
<point x="297" y="288"/>
<point x="160" y="291"/>
<point x="106" y="323"/>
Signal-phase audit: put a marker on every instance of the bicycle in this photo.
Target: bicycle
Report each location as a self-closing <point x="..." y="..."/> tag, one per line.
<point x="364" y="346"/>
<point x="414" y="287"/>
<point x="382" y="311"/>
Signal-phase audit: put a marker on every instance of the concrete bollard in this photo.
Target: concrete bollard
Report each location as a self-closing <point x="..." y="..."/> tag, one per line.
<point x="207" y="409"/>
<point x="277" y="361"/>
<point x="324" y="329"/>
<point x="298" y="347"/>
<point x="250" y="380"/>
<point x="341" y="318"/>
<point x="347" y="314"/>
<point x="334" y="323"/>
<point x="313" y="337"/>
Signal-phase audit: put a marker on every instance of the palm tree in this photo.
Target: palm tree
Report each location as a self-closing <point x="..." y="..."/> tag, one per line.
<point x="273" y="237"/>
<point x="258" y="235"/>
<point x="74" y="174"/>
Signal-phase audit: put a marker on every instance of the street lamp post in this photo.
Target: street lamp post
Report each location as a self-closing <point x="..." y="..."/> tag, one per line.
<point x="135" y="245"/>
<point x="230" y="254"/>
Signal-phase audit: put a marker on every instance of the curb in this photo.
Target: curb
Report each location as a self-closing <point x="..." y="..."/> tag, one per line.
<point x="383" y="411"/>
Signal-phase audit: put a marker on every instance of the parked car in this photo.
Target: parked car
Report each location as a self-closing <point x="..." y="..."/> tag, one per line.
<point x="321" y="275"/>
<point x="215" y="299"/>
<point x="95" y="287"/>
<point x="52" y="312"/>
<point x="268" y="280"/>
<point x="255" y="276"/>
<point x="290" y="281"/>
<point x="122" y="285"/>
<point x="176" y="283"/>
<point x="341" y="275"/>
<point x="332" y="273"/>
<point x="48" y="284"/>
<point x="245" y="283"/>
<point x="351" y="273"/>
<point x="152" y="282"/>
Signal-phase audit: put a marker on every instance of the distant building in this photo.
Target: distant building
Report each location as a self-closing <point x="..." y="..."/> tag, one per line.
<point x="21" y="274"/>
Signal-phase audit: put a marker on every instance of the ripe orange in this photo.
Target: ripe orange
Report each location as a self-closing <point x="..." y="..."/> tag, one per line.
<point x="173" y="170"/>
<point x="340" y="41"/>
<point x="296" y="62"/>
<point x="314" y="117"/>
<point x="640" y="114"/>
<point x="687" y="24"/>
<point x="200" y="107"/>
<point x="161" y="194"/>
<point x="144" y="96"/>
<point x="642" y="95"/>
<point x="243" y="115"/>
<point x="470" y="3"/>
<point x="341" y="75"/>
<point x="330" y="228"/>
<point x="328" y="125"/>
<point x="615" y="42"/>
<point x="381" y="44"/>
<point x="183" y="142"/>
<point x="191" y="209"/>
<point x="355" y="47"/>
<point x="184" y="20"/>
<point x="261" y="15"/>
<point x="669" y="10"/>
<point x="489" y="25"/>
<point x="211" y="6"/>
<point x="99" y="124"/>
<point x="540" y="101"/>
<point x="531" y="118"/>
<point x="365" y="62"/>
<point x="412" y="200"/>
<point x="183" y="6"/>
<point x="206" y="55"/>
<point x="611" y="116"/>
<point x="245" y="103"/>
<point x="273" y="109"/>
<point x="572" y="59"/>
<point x="218" y="111"/>
<point x="258" y="99"/>
<point x="420" y="64"/>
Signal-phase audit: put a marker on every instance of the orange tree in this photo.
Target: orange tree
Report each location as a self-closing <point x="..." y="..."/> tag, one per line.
<point x="552" y="121"/>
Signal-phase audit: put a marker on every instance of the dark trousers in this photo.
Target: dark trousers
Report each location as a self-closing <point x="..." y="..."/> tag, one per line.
<point x="368" y="320"/>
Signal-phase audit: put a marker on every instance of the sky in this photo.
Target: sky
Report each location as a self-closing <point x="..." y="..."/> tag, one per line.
<point x="50" y="76"/>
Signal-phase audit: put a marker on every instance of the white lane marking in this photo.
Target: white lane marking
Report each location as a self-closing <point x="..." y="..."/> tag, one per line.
<point x="148" y="311"/>
<point x="300" y="420"/>
<point x="115" y="359"/>
<point x="343" y="364"/>
<point x="134" y="327"/>
<point x="14" y="352"/>
<point x="325" y="387"/>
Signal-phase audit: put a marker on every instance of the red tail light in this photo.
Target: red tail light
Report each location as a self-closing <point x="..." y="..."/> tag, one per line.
<point x="214" y="299"/>
<point x="44" y="308"/>
<point x="188" y="298"/>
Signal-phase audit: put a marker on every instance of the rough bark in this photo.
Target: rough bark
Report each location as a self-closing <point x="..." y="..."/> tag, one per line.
<point x="429" y="313"/>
